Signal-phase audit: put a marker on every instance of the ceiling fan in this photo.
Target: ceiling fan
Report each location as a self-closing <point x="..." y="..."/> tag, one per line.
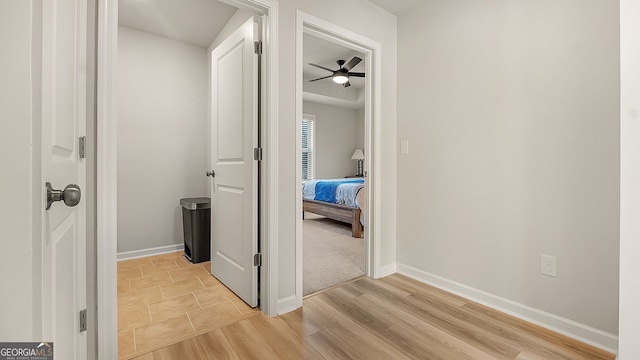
<point x="341" y="76"/>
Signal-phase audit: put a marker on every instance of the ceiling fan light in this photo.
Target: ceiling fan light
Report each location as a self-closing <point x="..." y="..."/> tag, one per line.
<point x="340" y="78"/>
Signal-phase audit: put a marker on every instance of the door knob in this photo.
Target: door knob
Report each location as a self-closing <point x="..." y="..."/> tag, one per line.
<point x="70" y="195"/>
<point x="211" y="173"/>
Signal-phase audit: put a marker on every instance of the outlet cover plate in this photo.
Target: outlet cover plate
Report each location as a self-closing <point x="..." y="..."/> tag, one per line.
<point x="548" y="265"/>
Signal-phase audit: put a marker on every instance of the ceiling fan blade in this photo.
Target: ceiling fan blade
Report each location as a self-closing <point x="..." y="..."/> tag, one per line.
<point x="347" y="84"/>
<point x="353" y="62"/>
<point x="325" y="77"/>
<point x="356" y="74"/>
<point x="321" y="67"/>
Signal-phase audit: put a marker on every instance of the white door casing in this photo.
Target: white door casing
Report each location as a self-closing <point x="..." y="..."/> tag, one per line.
<point x="62" y="278"/>
<point x="234" y="188"/>
<point x="306" y="23"/>
<point x="106" y="166"/>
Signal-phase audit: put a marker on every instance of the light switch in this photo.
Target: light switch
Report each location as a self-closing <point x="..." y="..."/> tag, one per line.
<point x="404" y="146"/>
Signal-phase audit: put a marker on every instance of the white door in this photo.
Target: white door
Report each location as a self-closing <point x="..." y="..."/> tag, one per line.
<point x="63" y="122"/>
<point x="234" y="135"/>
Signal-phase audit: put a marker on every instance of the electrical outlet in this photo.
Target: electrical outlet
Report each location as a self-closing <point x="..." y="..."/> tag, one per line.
<point x="548" y="265"/>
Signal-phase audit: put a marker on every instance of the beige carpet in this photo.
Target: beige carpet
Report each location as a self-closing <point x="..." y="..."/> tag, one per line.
<point x="330" y="254"/>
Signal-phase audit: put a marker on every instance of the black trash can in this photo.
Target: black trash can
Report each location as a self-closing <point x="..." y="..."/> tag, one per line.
<point x="196" y="224"/>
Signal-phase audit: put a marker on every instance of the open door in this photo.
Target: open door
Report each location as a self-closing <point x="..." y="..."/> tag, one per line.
<point x="234" y="170"/>
<point x="63" y="169"/>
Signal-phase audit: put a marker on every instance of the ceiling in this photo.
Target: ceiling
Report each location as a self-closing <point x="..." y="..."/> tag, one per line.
<point x="195" y="22"/>
<point x="397" y="7"/>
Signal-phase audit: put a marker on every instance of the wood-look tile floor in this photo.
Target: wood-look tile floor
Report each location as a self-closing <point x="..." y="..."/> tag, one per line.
<point x="164" y="299"/>
<point x="390" y="318"/>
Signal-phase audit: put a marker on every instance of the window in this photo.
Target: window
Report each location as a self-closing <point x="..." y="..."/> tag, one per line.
<point x="308" y="156"/>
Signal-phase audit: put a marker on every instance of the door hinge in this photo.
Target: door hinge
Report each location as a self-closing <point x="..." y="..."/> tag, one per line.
<point x="82" y="147"/>
<point x="257" y="47"/>
<point x="257" y="259"/>
<point x="257" y="153"/>
<point x="83" y="320"/>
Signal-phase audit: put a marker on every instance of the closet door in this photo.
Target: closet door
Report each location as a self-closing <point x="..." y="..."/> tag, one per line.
<point x="234" y="184"/>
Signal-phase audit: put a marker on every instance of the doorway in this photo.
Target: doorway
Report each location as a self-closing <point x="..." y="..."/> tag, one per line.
<point x="107" y="165"/>
<point x="370" y="50"/>
<point x="163" y="91"/>
<point x="332" y="135"/>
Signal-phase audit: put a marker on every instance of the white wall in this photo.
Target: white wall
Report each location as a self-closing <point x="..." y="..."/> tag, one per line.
<point x="378" y="25"/>
<point x="162" y="107"/>
<point x="336" y="137"/>
<point x="16" y="231"/>
<point x="511" y="110"/>
<point x="630" y="178"/>
<point x="360" y="129"/>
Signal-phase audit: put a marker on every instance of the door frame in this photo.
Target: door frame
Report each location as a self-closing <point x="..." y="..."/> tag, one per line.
<point x="306" y="23"/>
<point x="106" y="166"/>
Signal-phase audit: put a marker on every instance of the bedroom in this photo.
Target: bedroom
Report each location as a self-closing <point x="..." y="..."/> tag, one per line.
<point x="332" y="133"/>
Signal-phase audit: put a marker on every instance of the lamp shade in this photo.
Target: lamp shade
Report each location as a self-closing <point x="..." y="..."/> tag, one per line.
<point x="357" y="155"/>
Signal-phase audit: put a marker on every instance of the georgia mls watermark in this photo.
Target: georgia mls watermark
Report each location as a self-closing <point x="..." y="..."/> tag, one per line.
<point x="26" y="351"/>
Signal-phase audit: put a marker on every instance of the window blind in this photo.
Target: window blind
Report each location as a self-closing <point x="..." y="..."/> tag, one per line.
<point x="307" y="149"/>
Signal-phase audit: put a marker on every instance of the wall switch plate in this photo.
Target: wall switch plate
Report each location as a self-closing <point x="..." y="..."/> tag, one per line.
<point x="404" y="146"/>
<point x="548" y="265"/>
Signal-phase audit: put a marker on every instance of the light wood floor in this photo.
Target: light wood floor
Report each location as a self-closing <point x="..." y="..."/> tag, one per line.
<point x="391" y="318"/>
<point x="165" y="299"/>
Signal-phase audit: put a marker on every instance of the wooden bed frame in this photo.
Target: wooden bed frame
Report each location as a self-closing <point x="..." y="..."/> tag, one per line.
<point x="347" y="214"/>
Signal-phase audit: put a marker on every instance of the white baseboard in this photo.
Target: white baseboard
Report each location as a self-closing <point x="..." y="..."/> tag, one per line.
<point x="385" y="270"/>
<point x="573" y="329"/>
<point x="128" y="255"/>
<point x="287" y="304"/>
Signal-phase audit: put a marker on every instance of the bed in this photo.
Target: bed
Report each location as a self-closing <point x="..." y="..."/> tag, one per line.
<point x="337" y="199"/>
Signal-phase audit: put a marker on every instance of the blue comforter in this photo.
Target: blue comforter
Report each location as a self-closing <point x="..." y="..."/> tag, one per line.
<point x="337" y="191"/>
